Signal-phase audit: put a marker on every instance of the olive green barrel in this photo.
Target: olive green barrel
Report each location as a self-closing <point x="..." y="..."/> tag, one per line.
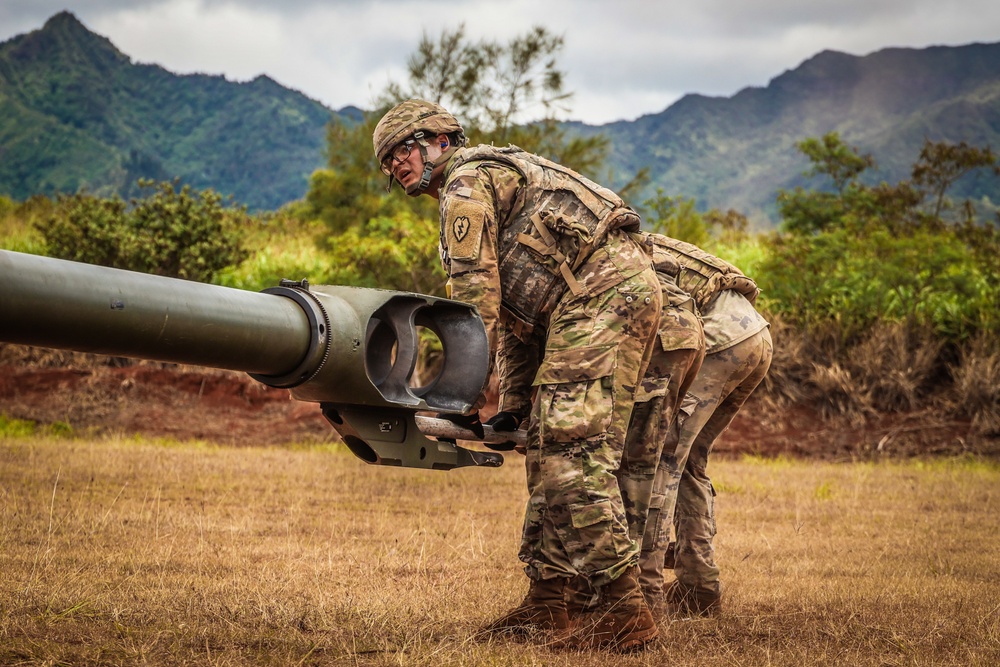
<point x="55" y="303"/>
<point x="353" y="350"/>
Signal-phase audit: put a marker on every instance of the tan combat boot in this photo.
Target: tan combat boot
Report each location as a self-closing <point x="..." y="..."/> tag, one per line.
<point x="656" y="602"/>
<point x="693" y="601"/>
<point x="543" y="610"/>
<point x="621" y="621"/>
<point x="580" y="597"/>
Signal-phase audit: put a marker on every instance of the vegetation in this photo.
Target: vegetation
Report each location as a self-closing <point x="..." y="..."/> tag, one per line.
<point x="738" y="152"/>
<point x="76" y="114"/>
<point x="169" y="233"/>
<point x="881" y="296"/>
<point x="891" y="289"/>
<point x="127" y="552"/>
<point x="891" y="253"/>
<point x="391" y="242"/>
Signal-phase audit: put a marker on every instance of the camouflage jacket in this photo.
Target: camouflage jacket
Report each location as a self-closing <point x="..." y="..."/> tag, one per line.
<point x="518" y="231"/>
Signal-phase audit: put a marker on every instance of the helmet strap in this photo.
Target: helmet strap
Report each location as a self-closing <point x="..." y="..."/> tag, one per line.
<point x="429" y="165"/>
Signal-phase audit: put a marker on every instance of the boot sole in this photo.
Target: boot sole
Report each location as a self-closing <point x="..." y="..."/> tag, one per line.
<point x="630" y="642"/>
<point x="635" y="640"/>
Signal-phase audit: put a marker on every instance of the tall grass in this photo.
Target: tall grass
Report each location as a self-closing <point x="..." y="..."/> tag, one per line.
<point x="115" y="552"/>
<point x="17" y="230"/>
<point x="280" y="247"/>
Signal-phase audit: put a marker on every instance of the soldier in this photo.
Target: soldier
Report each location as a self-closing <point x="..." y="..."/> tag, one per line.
<point x="676" y="358"/>
<point x="737" y="358"/>
<point x="548" y="252"/>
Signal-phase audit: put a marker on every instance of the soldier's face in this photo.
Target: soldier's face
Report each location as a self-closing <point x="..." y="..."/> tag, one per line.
<point x="409" y="169"/>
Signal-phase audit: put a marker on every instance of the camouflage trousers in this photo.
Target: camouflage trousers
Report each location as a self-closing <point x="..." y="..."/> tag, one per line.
<point x="595" y="352"/>
<point x="683" y="495"/>
<point x="677" y="356"/>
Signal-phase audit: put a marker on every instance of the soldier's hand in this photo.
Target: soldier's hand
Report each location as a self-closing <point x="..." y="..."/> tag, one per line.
<point x="504" y="421"/>
<point x="469" y="422"/>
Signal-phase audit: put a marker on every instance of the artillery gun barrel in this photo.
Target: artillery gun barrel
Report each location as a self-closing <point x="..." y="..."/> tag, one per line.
<point x="60" y="304"/>
<point x="352" y="350"/>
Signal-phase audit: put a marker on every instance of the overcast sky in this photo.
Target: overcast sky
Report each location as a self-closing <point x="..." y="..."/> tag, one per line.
<point x="622" y="58"/>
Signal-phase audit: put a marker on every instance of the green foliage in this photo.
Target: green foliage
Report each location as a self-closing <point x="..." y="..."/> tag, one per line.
<point x="280" y="246"/>
<point x="830" y="156"/>
<point x="491" y="86"/>
<point x="676" y="217"/>
<point x="388" y="253"/>
<point x="18" y="231"/>
<point x="170" y="233"/>
<point x="928" y="278"/>
<point x="942" y="164"/>
<point x="16" y="428"/>
<point x="679" y="218"/>
<point x="495" y="89"/>
<point x="77" y="115"/>
<point x="391" y="242"/>
<point x="351" y="190"/>
<point x="871" y="254"/>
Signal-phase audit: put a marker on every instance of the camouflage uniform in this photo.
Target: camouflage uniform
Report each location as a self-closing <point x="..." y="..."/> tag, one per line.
<point x="675" y="361"/>
<point x="581" y="340"/>
<point x="737" y="358"/>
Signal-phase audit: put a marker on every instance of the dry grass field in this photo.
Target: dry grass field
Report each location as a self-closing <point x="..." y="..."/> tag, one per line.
<point x="128" y="552"/>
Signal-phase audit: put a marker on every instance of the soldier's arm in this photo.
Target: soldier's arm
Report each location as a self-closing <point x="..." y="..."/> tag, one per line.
<point x="469" y="247"/>
<point x="517" y="365"/>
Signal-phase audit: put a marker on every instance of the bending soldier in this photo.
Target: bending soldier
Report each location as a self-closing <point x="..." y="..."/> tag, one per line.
<point x="737" y="358"/>
<point x="550" y="251"/>
<point x="677" y="356"/>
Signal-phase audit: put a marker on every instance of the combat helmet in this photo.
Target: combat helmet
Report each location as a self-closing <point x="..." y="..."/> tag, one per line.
<point x="422" y="121"/>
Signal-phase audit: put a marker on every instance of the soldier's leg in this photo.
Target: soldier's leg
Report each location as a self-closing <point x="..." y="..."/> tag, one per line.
<point x="677" y="356"/>
<point x="681" y="434"/>
<point x="694" y="522"/>
<point x="575" y="524"/>
<point x="667" y="377"/>
<point x="595" y="354"/>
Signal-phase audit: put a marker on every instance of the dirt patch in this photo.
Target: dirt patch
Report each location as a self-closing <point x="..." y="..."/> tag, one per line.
<point x="161" y="401"/>
<point x="100" y="396"/>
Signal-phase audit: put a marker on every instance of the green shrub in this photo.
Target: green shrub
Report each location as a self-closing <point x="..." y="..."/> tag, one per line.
<point x="929" y="278"/>
<point x="171" y="232"/>
<point x="16" y="428"/>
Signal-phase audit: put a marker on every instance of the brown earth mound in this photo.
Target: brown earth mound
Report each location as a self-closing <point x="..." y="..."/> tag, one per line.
<point x="191" y="403"/>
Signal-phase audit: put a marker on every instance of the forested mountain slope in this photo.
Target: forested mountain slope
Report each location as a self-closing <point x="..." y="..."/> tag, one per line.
<point x="77" y="113"/>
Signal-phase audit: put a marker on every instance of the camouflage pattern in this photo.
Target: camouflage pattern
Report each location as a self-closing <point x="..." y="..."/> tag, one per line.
<point x="675" y="361"/>
<point x="545" y="237"/>
<point x="483" y="209"/>
<point x="702" y="275"/>
<point x="582" y="361"/>
<point x="595" y="353"/>
<point x="730" y="320"/>
<point x="408" y="117"/>
<point x="683" y="496"/>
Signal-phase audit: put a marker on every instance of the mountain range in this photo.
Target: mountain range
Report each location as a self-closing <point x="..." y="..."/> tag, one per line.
<point x="76" y="113"/>
<point x="737" y="152"/>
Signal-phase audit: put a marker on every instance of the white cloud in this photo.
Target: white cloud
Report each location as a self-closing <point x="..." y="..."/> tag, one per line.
<point x="622" y="59"/>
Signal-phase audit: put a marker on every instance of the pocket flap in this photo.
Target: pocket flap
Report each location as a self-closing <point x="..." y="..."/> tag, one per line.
<point x="651" y="388"/>
<point x="577" y="364"/>
<point x="591" y="514"/>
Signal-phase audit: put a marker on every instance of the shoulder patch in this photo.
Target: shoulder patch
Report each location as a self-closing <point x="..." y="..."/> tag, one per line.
<point x="463" y="227"/>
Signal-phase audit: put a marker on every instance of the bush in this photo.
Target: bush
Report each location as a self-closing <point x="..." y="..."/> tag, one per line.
<point x="171" y="232"/>
<point x="928" y="278"/>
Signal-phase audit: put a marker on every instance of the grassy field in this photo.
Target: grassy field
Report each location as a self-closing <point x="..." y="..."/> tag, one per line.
<point x="125" y="552"/>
